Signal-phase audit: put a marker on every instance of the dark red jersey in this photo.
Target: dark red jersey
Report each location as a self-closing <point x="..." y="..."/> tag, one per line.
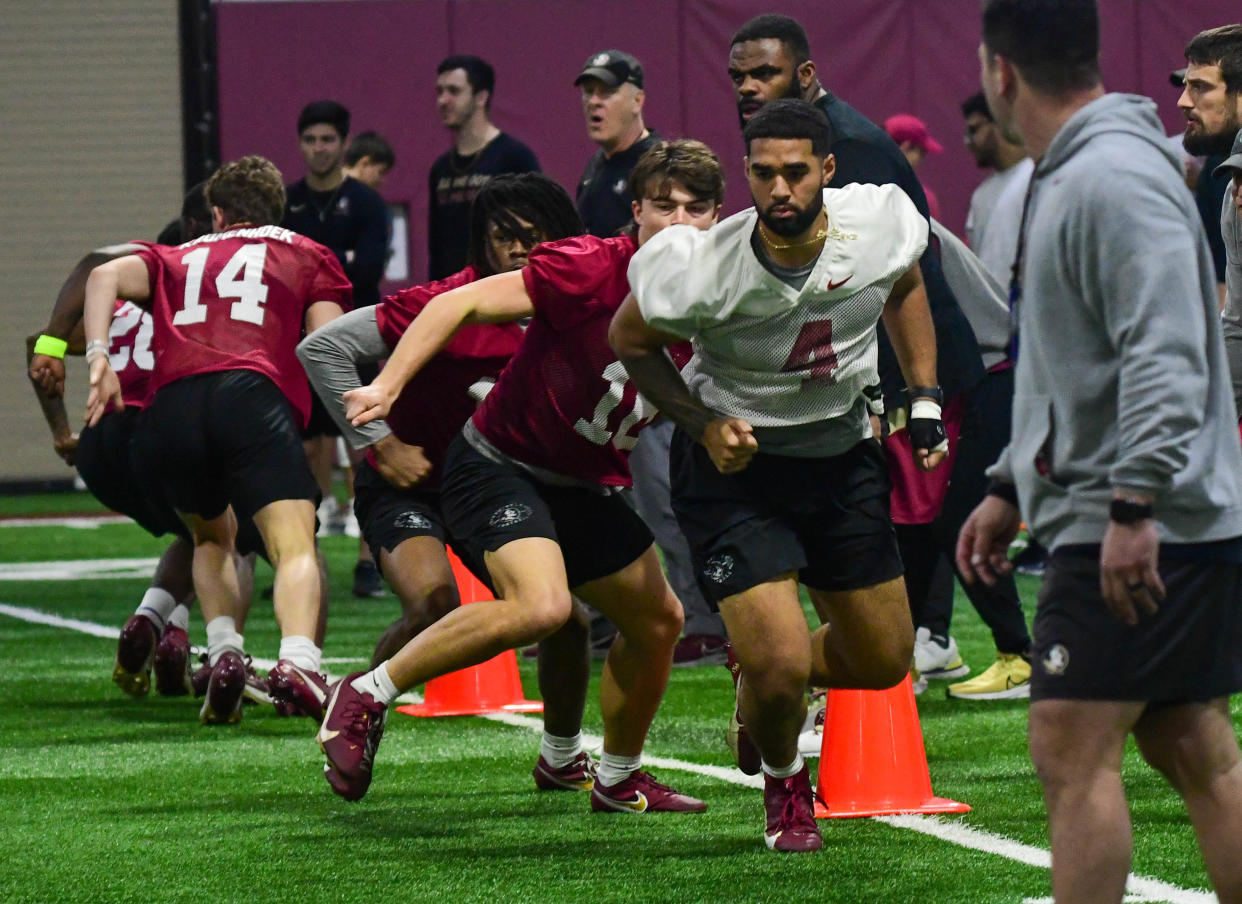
<point x="565" y="403"/>
<point x="129" y="351"/>
<point x="237" y="300"/>
<point x="433" y="406"/>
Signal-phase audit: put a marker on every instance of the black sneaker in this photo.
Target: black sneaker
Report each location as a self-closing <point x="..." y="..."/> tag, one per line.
<point x="367" y="582"/>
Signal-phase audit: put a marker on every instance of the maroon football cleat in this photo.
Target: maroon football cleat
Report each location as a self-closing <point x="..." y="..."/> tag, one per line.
<point x="353" y="724"/>
<point x="577" y="775"/>
<point x="700" y="649"/>
<point x="745" y="753"/>
<point x="172" y="663"/>
<point x="222" y="702"/>
<point x="790" y="810"/>
<point x="640" y="793"/>
<point x="258" y="688"/>
<point x="134" y="651"/>
<point x="304" y="689"/>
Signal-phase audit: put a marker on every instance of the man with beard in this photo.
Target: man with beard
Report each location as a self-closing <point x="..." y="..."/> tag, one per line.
<point x="776" y="479"/>
<point x="994" y="150"/>
<point x="1124" y="459"/>
<point x="1212" y="105"/>
<point x="464" y="88"/>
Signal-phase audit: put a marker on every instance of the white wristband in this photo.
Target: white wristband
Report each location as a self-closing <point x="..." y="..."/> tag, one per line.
<point x="924" y="408"/>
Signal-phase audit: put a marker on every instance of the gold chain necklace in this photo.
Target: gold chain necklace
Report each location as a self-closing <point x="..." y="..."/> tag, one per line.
<point x="820" y="235"/>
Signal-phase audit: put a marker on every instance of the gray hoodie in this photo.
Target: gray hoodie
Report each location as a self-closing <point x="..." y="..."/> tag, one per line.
<point x="1121" y="377"/>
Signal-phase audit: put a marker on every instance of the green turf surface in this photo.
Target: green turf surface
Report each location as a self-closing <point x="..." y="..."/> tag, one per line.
<point x="103" y="798"/>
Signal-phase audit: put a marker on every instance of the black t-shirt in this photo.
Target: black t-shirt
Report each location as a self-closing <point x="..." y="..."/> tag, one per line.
<point x="352" y="222"/>
<point x="866" y="154"/>
<point x="604" y="189"/>
<point x="1209" y="196"/>
<point x="454" y="181"/>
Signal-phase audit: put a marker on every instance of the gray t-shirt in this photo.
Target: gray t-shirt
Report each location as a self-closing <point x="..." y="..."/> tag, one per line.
<point x="1231" y="316"/>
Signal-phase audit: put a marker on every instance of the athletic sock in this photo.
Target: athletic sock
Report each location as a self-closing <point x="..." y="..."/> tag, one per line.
<point x="302" y="652"/>
<point x="615" y="769"/>
<point x="157" y="604"/>
<point x="788" y="771"/>
<point x="222" y="637"/>
<point x="559" y="752"/>
<point x="377" y="683"/>
<point x="180" y="617"/>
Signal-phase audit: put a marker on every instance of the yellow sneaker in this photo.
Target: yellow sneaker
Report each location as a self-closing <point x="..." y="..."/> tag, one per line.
<point x="1007" y="678"/>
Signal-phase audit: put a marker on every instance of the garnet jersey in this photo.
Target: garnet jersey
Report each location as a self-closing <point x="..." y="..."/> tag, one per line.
<point x="565" y="403"/>
<point x="433" y="406"/>
<point x="237" y="300"/>
<point x="129" y="351"/>
<point x="765" y="351"/>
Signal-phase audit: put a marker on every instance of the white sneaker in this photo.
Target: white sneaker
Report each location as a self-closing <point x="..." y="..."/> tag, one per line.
<point x="350" y="527"/>
<point x="330" y="516"/>
<point x="937" y="657"/>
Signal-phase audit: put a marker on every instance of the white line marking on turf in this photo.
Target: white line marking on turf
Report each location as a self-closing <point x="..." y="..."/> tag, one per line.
<point x="77" y="569"/>
<point x="80" y="522"/>
<point x="1142" y="890"/>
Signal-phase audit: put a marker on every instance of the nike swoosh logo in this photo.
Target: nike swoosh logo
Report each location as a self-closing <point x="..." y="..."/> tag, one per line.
<point x="296" y="208"/>
<point x="326" y="735"/>
<point x="836" y="285"/>
<point x="638" y="804"/>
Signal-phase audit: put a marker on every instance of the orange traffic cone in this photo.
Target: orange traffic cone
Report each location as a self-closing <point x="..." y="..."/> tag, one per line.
<point x="872" y="761"/>
<point x="489" y="687"/>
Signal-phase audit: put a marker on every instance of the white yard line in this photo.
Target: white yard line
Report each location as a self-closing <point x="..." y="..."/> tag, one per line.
<point x="1140" y="889"/>
<point x="77" y="569"/>
<point x="80" y="522"/>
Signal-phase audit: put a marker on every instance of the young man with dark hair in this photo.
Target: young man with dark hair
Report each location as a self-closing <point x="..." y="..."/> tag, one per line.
<point x="369" y="158"/>
<point x="221" y="430"/>
<point x="1124" y="459"/>
<point x="464" y="88"/>
<point x="776" y="477"/>
<point x="350" y="219"/>
<point x="531" y="488"/>
<point x="1008" y="160"/>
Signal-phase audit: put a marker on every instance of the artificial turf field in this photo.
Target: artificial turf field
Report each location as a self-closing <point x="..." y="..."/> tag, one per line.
<point x="108" y="799"/>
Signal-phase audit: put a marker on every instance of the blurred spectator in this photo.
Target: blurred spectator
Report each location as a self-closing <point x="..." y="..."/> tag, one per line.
<point x="369" y="158"/>
<point x="916" y="143"/>
<point x="993" y="150"/>
<point x="464" y="88"/>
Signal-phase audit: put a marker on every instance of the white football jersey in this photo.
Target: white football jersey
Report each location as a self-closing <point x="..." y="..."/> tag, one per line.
<point x="764" y="351"/>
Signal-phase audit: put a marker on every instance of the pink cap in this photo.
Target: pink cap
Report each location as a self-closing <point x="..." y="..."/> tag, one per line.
<point x="903" y="127"/>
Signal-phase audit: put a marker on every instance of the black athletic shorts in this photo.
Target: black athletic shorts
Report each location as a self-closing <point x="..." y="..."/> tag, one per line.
<point x="1189" y="651"/>
<point x="489" y="504"/>
<point x="114" y="476"/>
<point x="825" y="518"/>
<point x="389" y="515"/>
<point x="225" y="438"/>
<point x="320" y="423"/>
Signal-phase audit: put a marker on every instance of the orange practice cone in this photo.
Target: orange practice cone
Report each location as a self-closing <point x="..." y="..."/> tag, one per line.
<point x="872" y="761"/>
<point x="489" y="687"/>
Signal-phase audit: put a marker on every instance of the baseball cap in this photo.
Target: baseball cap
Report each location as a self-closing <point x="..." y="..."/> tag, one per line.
<point x="613" y="68"/>
<point x="1177" y="78"/>
<point x="1234" y="160"/>
<point x="903" y="127"/>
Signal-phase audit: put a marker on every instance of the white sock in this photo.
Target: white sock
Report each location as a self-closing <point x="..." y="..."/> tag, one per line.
<point x="558" y="752"/>
<point x="615" y="769"/>
<point x="157" y="604"/>
<point x="377" y="683"/>
<point x="222" y="637"/>
<point x="788" y="771"/>
<point x="301" y="651"/>
<point x="180" y="617"/>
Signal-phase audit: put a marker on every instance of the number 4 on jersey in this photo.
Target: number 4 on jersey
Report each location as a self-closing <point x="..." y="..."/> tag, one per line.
<point x="249" y="290"/>
<point x="813" y="351"/>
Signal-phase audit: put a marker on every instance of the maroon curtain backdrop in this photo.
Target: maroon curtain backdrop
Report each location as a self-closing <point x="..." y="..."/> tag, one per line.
<point x="378" y="57"/>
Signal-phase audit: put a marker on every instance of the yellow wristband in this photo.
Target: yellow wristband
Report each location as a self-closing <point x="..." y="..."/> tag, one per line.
<point x="50" y="346"/>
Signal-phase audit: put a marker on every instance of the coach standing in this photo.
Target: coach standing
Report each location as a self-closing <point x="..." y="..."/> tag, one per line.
<point x="1124" y="459"/>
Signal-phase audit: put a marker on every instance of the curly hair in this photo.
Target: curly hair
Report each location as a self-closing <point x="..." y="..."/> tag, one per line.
<point x="248" y="190"/>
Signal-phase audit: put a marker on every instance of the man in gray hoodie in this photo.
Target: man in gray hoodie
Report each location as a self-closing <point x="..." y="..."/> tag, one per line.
<point x="1124" y="459"/>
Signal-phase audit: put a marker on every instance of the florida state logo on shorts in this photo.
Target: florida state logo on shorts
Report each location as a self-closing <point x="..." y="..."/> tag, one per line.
<point x="1056" y="660"/>
<point x="719" y="569"/>
<point x="508" y="515"/>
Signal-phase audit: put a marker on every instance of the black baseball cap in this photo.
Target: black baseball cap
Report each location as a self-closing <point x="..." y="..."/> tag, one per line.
<point x="1232" y="163"/>
<point x="613" y="68"/>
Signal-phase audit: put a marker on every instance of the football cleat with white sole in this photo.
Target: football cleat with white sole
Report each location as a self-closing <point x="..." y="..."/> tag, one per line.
<point x="353" y="724"/>
<point x="303" y="689"/>
<point x="1009" y="678"/>
<point x="135" y="651"/>
<point x="936" y="656"/>
<point x="640" y="793"/>
<point x="790" y="809"/>
<point x="577" y="775"/>
<point x="223" y="700"/>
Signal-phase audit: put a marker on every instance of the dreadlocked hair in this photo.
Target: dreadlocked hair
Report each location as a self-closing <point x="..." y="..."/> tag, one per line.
<point x="505" y="200"/>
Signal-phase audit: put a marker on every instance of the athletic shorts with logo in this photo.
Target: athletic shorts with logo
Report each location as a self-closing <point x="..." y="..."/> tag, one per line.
<point x="390" y="515"/>
<point x="825" y="518"/>
<point x="491" y="503"/>
<point x="225" y="438"/>
<point x="1190" y="650"/>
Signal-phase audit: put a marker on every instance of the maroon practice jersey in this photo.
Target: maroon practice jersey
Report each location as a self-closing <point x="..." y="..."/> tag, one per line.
<point x="565" y="403"/>
<point x="433" y="406"/>
<point x="129" y="351"/>
<point x="237" y="300"/>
